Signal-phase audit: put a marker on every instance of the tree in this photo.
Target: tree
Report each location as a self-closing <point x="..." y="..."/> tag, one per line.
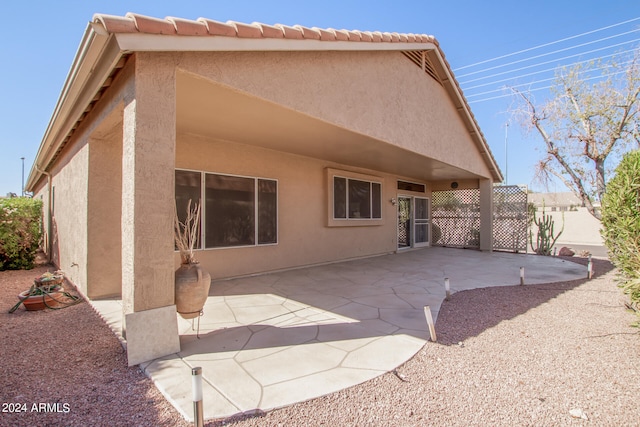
<point x="588" y="120"/>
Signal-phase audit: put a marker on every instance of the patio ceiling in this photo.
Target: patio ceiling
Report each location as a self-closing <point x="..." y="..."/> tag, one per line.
<point x="218" y="112"/>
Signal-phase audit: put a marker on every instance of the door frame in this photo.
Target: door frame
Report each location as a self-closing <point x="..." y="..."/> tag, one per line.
<point x="412" y="222"/>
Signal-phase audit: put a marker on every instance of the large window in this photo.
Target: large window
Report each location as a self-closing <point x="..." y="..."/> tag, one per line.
<point x="238" y="211"/>
<point x="188" y="189"/>
<point x="356" y="199"/>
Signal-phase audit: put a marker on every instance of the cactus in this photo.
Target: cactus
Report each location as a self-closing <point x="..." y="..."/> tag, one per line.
<point x="545" y="238"/>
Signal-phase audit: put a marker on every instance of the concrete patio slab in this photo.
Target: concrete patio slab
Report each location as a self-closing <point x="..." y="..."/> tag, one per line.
<point x="272" y="340"/>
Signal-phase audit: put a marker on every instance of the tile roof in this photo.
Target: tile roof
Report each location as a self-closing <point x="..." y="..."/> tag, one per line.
<point x="135" y="23"/>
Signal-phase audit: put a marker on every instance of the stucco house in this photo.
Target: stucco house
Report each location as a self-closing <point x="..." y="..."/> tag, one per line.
<point x="303" y="143"/>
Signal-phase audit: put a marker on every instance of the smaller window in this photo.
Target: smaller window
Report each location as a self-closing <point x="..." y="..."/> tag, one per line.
<point x="356" y="199"/>
<point x="411" y="186"/>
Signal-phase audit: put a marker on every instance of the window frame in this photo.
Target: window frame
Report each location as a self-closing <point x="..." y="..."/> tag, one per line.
<point x="256" y="211"/>
<point x="347" y="221"/>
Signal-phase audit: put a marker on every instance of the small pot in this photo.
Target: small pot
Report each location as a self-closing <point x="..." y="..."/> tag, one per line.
<point x="40" y="302"/>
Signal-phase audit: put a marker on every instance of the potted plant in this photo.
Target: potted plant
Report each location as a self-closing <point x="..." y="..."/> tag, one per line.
<point x="192" y="282"/>
<point x="46" y="292"/>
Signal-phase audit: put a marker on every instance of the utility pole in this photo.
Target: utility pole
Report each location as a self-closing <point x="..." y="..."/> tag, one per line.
<point x="506" y="156"/>
<point x="22" y="158"/>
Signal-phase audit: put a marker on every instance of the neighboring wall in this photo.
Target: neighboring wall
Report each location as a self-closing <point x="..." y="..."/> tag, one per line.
<point x="580" y="227"/>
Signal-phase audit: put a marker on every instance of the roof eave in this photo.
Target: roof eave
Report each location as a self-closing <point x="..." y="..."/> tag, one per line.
<point x="452" y="86"/>
<point x="139" y="42"/>
<point x="100" y="51"/>
<point x="95" y="58"/>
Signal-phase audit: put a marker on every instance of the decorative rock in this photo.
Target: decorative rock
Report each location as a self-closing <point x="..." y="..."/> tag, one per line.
<point x="565" y="251"/>
<point x="578" y="413"/>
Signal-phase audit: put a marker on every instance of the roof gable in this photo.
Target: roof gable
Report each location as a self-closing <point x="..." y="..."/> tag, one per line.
<point x="109" y="38"/>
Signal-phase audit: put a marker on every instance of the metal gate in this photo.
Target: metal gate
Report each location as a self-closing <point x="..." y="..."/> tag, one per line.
<point x="456" y="218"/>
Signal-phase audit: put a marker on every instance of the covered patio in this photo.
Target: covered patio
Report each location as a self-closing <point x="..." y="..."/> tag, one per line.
<point x="270" y="340"/>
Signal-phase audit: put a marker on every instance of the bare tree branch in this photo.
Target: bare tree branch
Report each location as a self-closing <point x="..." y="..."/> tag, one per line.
<point x="584" y="125"/>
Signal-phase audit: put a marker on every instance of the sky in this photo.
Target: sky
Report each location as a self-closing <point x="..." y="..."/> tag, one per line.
<point x="40" y="40"/>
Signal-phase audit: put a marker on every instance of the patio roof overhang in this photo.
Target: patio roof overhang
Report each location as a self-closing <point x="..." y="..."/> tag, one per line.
<point x="108" y="40"/>
<point x="218" y="112"/>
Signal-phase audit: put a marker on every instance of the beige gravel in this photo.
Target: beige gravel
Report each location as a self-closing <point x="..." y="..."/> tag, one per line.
<point x="538" y="355"/>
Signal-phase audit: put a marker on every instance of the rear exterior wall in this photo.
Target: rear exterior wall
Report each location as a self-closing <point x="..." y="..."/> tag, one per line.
<point x="304" y="236"/>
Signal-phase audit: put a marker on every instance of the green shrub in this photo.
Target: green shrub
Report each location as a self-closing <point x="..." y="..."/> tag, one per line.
<point x="20" y="232"/>
<point x="621" y="222"/>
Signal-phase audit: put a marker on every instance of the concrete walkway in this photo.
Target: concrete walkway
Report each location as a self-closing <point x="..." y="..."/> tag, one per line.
<point x="276" y="339"/>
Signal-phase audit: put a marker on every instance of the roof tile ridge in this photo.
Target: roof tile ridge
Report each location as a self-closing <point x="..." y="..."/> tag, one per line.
<point x="395" y="37"/>
<point x="376" y="36"/>
<point x="411" y="38"/>
<point x="341" y="35"/>
<point x="290" y="32"/>
<point x="188" y="27"/>
<point x="387" y="37"/>
<point x="248" y="31"/>
<point x="150" y="25"/>
<point x="115" y="23"/>
<point x="326" y="34"/>
<point x="308" y="33"/>
<point x="269" y="31"/>
<point x="365" y="36"/>
<point x="354" y="35"/>
<point x="217" y="28"/>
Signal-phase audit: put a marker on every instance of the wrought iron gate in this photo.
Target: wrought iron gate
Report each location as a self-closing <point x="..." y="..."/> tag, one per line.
<point x="456" y="218"/>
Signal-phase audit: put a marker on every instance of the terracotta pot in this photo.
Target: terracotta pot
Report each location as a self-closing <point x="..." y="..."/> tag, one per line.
<point x="192" y="289"/>
<point x="55" y="280"/>
<point x="40" y="302"/>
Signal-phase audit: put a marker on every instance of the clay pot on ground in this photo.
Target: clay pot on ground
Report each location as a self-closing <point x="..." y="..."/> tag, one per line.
<point x="191" y="289"/>
<point x="51" y="299"/>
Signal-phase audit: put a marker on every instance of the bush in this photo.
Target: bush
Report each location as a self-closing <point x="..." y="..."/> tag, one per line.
<point x="20" y="232"/>
<point x="621" y="222"/>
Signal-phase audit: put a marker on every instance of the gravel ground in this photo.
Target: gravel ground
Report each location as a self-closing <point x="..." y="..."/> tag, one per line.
<point x="536" y="355"/>
<point x="71" y="360"/>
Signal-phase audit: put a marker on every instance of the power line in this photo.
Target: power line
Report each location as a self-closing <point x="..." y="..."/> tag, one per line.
<point x="466" y="89"/>
<point x="490" y="82"/>
<point x="556" y="60"/>
<point x="573" y="64"/>
<point x="547" y="44"/>
<point x="549" y="53"/>
<point x="534" y="89"/>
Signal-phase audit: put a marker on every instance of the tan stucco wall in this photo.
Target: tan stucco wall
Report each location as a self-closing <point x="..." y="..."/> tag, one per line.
<point x="41" y="192"/>
<point x="86" y="189"/>
<point x="148" y="202"/>
<point x="104" y="263"/>
<point x="379" y="94"/>
<point x="69" y="207"/>
<point x="303" y="235"/>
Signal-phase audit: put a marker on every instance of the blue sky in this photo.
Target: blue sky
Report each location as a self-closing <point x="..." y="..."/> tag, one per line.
<point x="40" y="38"/>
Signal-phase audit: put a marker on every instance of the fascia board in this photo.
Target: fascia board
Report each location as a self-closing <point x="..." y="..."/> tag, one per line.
<point x="136" y="42"/>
